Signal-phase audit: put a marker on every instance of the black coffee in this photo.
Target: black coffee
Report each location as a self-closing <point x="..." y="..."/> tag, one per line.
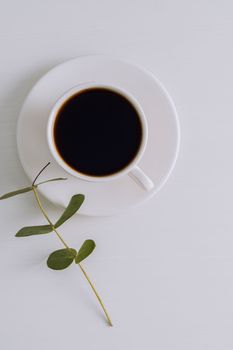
<point x="97" y="132"/>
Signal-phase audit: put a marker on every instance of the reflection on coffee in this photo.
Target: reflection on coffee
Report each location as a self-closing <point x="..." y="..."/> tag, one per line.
<point x="97" y="132"/>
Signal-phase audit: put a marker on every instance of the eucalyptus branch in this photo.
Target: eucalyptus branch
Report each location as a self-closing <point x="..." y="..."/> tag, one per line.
<point x="66" y="246"/>
<point x="62" y="258"/>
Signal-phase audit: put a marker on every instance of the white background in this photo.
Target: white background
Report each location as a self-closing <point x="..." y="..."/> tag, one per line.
<point x="164" y="270"/>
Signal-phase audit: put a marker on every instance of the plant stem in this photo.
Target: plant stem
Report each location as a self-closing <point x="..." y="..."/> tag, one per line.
<point x="66" y="245"/>
<point x="46" y="216"/>
<point x="33" y="183"/>
<point x="97" y="295"/>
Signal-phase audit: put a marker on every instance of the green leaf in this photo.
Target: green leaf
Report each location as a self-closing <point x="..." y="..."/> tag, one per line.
<point x="61" y="259"/>
<point x="55" y="179"/>
<point x="15" y="193"/>
<point x="34" y="230"/>
<point x="85" y="250"/>
<point x="74" y="205"/>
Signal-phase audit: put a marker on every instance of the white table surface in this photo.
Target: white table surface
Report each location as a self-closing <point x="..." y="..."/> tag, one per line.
<point x="164" y="270"/>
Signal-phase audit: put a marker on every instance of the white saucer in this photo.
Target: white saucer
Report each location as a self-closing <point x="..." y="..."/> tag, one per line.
<point x="163" y="143"/>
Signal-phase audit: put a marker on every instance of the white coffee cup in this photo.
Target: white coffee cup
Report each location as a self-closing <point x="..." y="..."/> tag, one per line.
<point x="132" y="168"/>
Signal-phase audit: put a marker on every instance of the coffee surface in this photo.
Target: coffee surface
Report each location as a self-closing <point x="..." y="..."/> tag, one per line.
<point x="97" y="132"/>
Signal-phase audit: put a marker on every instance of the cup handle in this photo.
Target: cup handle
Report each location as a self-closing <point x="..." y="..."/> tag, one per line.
<point x="141" y="178"/>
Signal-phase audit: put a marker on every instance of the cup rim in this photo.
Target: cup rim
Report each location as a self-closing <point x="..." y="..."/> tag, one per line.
<point x="72" y="92"/>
